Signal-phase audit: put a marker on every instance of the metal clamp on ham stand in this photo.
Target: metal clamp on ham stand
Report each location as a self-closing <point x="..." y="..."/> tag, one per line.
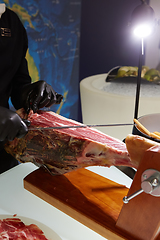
<point x="150" y="183"/>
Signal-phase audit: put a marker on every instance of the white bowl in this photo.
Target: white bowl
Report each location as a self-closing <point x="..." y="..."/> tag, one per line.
<point x="151" y="122"/>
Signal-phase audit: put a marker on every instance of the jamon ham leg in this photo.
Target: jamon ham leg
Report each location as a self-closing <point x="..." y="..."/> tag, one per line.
<point x="66" y="149"/>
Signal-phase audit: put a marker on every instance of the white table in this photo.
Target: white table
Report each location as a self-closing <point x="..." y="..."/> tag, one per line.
<point x="14" y="199"/>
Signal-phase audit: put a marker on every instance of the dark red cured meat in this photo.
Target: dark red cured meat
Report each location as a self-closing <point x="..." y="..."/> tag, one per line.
<point x="64" y="150"/>
<point x="49" y="119"/>
<point x="15" y="229"/>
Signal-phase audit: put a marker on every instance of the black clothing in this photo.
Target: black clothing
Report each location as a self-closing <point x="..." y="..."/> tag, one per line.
<point x="13" y="70"/>
<point x="6" y="161"/>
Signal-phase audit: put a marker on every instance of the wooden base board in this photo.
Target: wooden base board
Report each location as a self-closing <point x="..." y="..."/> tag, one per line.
<point x="85" y="196"/>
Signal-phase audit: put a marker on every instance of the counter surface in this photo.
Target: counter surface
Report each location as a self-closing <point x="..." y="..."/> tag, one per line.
<point x="14" y="199"/>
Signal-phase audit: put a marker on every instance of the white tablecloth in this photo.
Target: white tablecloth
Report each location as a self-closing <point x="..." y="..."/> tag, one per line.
<point x="14" y="199"/>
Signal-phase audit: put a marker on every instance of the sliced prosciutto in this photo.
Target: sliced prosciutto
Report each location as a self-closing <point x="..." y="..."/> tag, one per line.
<point x="15" y="229"/>
<point x="64" y="150"/>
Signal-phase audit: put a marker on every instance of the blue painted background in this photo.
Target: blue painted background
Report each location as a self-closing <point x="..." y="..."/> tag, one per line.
<point x="53" y="28"/>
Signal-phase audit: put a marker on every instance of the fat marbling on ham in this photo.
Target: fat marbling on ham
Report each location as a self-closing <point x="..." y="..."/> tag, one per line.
<point x="64" y="150"/>
<point x="15" y="229"/>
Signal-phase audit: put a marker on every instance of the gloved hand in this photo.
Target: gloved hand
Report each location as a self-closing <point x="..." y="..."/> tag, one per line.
<point x="11" y="125"/>
<point x="38" y="95"/>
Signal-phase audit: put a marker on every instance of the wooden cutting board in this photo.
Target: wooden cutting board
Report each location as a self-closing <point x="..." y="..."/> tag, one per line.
<point x="85" y="196"/>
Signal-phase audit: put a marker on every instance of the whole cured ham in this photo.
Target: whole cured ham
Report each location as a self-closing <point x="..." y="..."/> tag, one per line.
<point x="64" y="150"/>
<point x="15" y="229"/>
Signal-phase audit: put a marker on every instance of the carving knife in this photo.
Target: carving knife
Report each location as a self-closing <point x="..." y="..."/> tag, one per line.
<point x="80" y="126"/>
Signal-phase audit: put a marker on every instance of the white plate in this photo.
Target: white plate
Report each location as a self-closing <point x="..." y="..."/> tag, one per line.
<point x="48" y="232"/>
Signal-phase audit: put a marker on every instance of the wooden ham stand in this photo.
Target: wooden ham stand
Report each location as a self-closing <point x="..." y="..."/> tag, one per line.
<point x="97" y="202"/>
<point x="140" y="216"/>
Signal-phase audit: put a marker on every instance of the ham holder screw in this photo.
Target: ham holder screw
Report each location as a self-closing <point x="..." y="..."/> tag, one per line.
<point x="150" y="184"/>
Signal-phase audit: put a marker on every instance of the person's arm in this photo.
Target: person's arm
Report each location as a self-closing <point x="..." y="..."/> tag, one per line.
<point x="34" y="95"/>
<point x="22" y="77"/>
<point x="29" y="95"/>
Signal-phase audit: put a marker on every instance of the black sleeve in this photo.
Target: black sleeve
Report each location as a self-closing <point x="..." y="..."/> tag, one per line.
<point x="21" y="77"/>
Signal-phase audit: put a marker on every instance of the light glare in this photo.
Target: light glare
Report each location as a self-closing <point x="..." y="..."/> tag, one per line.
<point x="142" y="30"/>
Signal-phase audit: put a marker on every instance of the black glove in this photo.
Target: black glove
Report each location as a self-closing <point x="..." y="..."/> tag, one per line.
<point x="11" y="125"/>
<point x="38" y="95"/>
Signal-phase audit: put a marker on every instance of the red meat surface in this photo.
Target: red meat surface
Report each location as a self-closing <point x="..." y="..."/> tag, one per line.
<point x="15" y="229"/>
<point x="64" y="150"/>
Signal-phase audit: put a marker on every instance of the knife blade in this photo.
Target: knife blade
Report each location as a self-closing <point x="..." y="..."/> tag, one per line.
<point x="80" y="126"/>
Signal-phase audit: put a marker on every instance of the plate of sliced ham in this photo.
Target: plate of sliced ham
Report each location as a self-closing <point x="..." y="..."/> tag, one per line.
<point x="21" y="228"/>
